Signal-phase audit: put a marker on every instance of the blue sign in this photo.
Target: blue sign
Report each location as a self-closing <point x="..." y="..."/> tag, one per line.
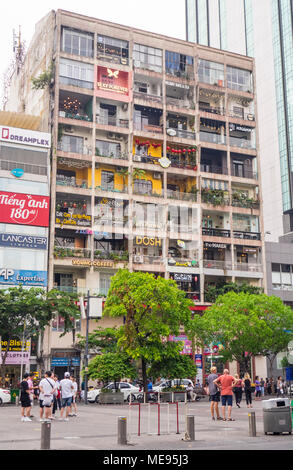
<point x="18" y="240"/>
<point x="65" y="361"/>
<point x="15" y="277"/>
<point x="18" y="172"/>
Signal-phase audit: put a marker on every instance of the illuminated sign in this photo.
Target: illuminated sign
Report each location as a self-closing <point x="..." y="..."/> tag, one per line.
<point x="95" y="263"/>
<point x="24" y="209"/>
<point x="64" y="218"/>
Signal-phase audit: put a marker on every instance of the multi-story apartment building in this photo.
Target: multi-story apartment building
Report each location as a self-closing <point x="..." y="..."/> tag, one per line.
<point x="262" y="29"/>
<point x="154" y="159"/>
<point x="24" y="220"/>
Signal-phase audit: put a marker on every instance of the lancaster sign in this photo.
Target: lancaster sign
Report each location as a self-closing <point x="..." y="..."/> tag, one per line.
<point x="24" y="209"/>
<point x="17" y="240"/>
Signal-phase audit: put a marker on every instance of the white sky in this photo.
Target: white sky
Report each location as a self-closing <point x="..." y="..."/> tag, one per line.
<point x="158" y="16"/>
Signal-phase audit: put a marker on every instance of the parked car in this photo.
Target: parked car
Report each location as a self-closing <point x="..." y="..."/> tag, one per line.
<point x="163" y="384"/>
<point x="126" y="388"/>
<point x="5" y="396"/>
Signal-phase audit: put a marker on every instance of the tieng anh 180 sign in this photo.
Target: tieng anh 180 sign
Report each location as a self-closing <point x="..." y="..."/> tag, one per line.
<point x="24" y="209"/>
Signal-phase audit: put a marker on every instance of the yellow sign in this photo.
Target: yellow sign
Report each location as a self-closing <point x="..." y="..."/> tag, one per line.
<point x="15" y="345"/>
<point x="95" y="263"/>
<point x="147" y="241"/>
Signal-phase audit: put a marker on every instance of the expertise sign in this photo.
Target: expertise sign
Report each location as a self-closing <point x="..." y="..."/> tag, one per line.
<point x="16" y="277"/>
<point x="24" y="209"/>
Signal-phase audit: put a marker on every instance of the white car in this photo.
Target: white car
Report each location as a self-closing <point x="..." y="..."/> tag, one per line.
<point x="163" y="384"/>
<point x="127" y="389"/>
<point x="5" y="396"/>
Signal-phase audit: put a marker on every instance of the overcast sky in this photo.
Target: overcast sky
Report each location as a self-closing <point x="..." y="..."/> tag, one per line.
<point x="158" y="16"/>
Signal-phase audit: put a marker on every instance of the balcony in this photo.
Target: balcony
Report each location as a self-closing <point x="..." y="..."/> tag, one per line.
<point x="68" y="81"/>
<point x="181" y="134"/>
<point x="147" y="259"/>
<point x="149" y="193"/>
<point x="179" y="103"/>
<point x="244" y="173"/>
<point x="212" y="109"/>
<point x="108" y="154"/>
<point x="8" y="165"/>
<point x="252" y="267"/>
<point x="212" y="138"/>
<point x="241" y="143"/>
<point x="79" y="149"/>
<point x="73" y="182"/>
<point x="114" y="255"/>
<point x="181" y="196"/>
<point x="117" y="188"/>
<point x="241" y="200"/>
<point x="216" y="197"/>
<point x="139" y="95"/>
<point x="244" y="115"/>
<point x="216" y="232"/>
<point x="146" y="159"/>
<point x="66" y="252"/>
<point x="81" y="116"/>
<point x="217" y="264"/>
<point x="218" y="170"/>
<point x="113" y="121"/>
<point x="246" y="235"/>
<point x="155" y="129"/>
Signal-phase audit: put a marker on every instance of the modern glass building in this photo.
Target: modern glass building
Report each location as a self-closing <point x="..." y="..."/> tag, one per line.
<point x="261" y="29"/>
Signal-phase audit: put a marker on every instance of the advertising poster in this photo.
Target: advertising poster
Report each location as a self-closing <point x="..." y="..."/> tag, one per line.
<point x="24" y="209"/>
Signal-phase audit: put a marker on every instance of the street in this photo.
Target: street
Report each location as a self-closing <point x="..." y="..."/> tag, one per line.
<point x="95" y="428"/>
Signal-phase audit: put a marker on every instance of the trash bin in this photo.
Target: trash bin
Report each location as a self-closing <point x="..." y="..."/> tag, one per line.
<point x="14" y="392"/>
<point x="277" y="416"/>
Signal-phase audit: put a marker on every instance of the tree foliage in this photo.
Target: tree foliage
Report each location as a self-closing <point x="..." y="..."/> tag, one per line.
<point x="222" y="287"/>
<point x="153" y="309"/>
<point x="111" y="366"/>
<point x="101" y="340"/>
<point x="179" y="366"/>
<point x="43" y="80"/>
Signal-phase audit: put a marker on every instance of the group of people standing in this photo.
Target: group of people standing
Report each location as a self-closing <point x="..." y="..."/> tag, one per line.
<point x="52" y="395"/>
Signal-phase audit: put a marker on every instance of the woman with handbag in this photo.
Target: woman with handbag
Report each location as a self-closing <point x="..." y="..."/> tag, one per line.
<point x="247" y="390"/>
<point x="237" y="389"/>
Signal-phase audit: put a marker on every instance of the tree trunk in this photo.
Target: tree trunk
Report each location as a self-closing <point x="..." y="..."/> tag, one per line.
<point x="144" y="376"/>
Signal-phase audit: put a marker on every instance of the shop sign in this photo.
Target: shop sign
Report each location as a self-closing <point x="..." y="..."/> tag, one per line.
<point x="16" y="358"/>
<point x="113" y="82"/>
<point x="250" y="250"/>
<point x="177" y="85"/>
<point x="198" y="360"/>
<point x="64" y="218"/>
<point x="17" y="240"/>
<point x="182" y="264"/>
<point x="65" y="361"/>
<point x="24" y="209"/>
<point x="25" y="136"/>
<point x="147" y="241"/>
<point x="187" y="344"/>
<point x="215" y="245"/>
<point x="213" y="349"/>
<point x="95" y="263"/>
<point x="237" y="127"/>
<point x="15" y="345"/>
<point x="182" y="277"/>
<point x="164" y="162"/>
<point x="26" y="278"/>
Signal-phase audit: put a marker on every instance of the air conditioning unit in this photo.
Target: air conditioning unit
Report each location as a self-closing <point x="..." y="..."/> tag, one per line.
<point x="69" y="130"/>
<point x="138" y="259"/>
<point x="136" y="158"/>
<point x="157" y="176"/>
<point x="111" y="135"/>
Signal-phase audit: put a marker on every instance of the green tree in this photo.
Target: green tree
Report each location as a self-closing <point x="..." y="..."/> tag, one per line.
<point x="111" y="367"/>
<point x="153" y="310"/>
<point x="29" y="311"/>
<point x="222" y="287"/>
<point x="178" y="367"/>
<point x="101" y="340"/>
<point x="246" y="324"/>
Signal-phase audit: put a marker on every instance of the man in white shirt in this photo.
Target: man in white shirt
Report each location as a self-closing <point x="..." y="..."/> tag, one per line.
<point x="67" y="389"/>
<point x="73" y="408"/>
<point x="47" y="388"/>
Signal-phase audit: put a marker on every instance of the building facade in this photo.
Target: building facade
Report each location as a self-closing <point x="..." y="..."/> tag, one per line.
<point x="261" y="29"/>
<point x="24" y="219"/>
<point x="154" y="160"/>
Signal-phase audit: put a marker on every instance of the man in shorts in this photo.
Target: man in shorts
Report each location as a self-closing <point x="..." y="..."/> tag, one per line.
<point x="214" y="394"/>
<point x="25" y="398"/>
<point x="66" y="387"/>
<point x="47" y="389"/>
<point x="226" y="383"/>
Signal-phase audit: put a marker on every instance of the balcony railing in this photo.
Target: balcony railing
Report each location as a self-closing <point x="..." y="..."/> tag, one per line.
<point x="181" y="134"/>
<point x="245" y="116"/>
<point x="178" y="103"/>
<point x="114" y="255"/>
<point x="145" y="159"/>
<point x="242" y="143"/>
<point x="187" y="75"/>
<point x="252" y="267"/>
<point x="217" y="264"/>
<point x="117" y="155"/>
<point x="219" y="170"/>
<point x="9" y="165"/>
<point x="81" y="116"/>
<point x="67" y="252"/>
<point x="79" y="149"/>
<point x="246" y="173"/>
<point x="147" y="97"/>
<point x="181" y="196"/>
<point x="138" y="192"/>
<point x="246" y="235"/>
<point x="147" y="259"/>
<point x="156" y="129"/>
<point x="117" y="188"/>
<point x="246" y="203"/>
<point x="113" y="121"/>
<point x="212" y="109"/>
<point x="216" y="232"/>
<point x="104" y="221"/>
<point x="114" y="59"/>
<point x="78" y="83"/>
<point x="71" y="182"/>
<point x="212" y="138"/>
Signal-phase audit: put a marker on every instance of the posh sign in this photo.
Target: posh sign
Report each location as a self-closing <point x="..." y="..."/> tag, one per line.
<point x="115" y="83"/>
<point x="24" y="209"/>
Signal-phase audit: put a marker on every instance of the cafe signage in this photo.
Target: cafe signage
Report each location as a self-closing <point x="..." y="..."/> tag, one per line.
<point x="64" y="218"/>
<point x="182" y="277"/>
<point x="250" y="250"/>
<point x="95" y="263"/>
<point x="147" y="241"/>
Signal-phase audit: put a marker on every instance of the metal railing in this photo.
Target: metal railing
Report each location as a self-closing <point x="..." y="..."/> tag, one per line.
<point x="212" y="109"/>
<point x="188" y="75"/>
<point x="79" y="116"/>
<point x="115" y="122"/>
<point x="149" y="259"/>
<point x="68" y="252"/>
<point x="79" y="149"/>
<point x="219" y="170"/>
<point x="147" y="97"/>
<point x="246" y="235"/>
<point x="242" y="143"/>
<point x="185" y="104"/>
<point x="156" y="129"/>
<point x="75" y="82"/>
<point x="171" y="194"/>
<point x="213" y="138"/>
<point x="247" y="173"/>
<point x="114" y="59"/>
<point x="118" y="155"/>
<point x="8" y="165"/>
<point x="253" y="267"/>
<point x="216" y="232"/>
<point x="117" y="188"/>
<point x="244" y="115"/>
<point x="182" y="134"/>
<point x="217" y="264"/>
<point x="71" y="181"/>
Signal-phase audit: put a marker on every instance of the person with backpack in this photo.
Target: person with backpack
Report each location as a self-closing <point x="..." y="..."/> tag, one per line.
<point x="47" y="389"/>
<point x="57" y="397"/>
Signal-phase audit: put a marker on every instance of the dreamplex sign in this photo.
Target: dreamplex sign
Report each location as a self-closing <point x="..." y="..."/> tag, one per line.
<point x="25" y="136"/>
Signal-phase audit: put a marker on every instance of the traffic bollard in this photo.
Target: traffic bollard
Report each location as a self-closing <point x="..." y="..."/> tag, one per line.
<point x="122" y="430"/>
<point x="190" y="427"/>
<point x="252" y="424"/>
<point x="46" y="435"/>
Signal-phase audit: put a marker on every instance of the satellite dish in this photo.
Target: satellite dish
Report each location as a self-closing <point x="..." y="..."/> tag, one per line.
<point x="290" y="352"/>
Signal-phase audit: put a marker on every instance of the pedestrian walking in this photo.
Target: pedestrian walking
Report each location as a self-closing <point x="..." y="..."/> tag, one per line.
<point x="269" y="386"/>
<point x="247" y="390"/>
<point x="237" y="389"/>
<point x="257" y="388"/>
<point x="262" y="387"/>
<point x="73" y="408"/>
<point x="66" y="387"/>
<point x="280" y="387"/>
<point x="225" y="383"/>
<point x="47" y="388"/>
<point x="214" y="394"/>
<point x="57" y="397"/>
<point x="190" y="392"/>
<point x="25" y="398"/>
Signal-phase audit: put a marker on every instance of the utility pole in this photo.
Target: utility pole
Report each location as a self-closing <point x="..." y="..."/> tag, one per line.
<point x="86" y="348"/>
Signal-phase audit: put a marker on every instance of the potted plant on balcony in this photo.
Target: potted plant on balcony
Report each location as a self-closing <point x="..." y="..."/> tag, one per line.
<point x="216" y="197"/>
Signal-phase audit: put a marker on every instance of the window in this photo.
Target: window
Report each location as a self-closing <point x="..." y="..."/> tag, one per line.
<point x="210" y="72"/>
<point x="107" y="149"/>
<point x="105" y="282"/>
<point x="76" y="74"/>
<point x="113" y="50"/>
<point x="238" y="79"/>
<point x="107" y="180"/>
<point x="179" y="65"/>
<point x="77" y="42"/>
<point x="71" y="143"/>
<point x="148" y="57"/>
<point x="142" y="187"/>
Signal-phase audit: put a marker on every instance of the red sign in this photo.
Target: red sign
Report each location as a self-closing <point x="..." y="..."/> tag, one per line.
<point x="113" y="83"/>
<point x="24" y="209"/>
